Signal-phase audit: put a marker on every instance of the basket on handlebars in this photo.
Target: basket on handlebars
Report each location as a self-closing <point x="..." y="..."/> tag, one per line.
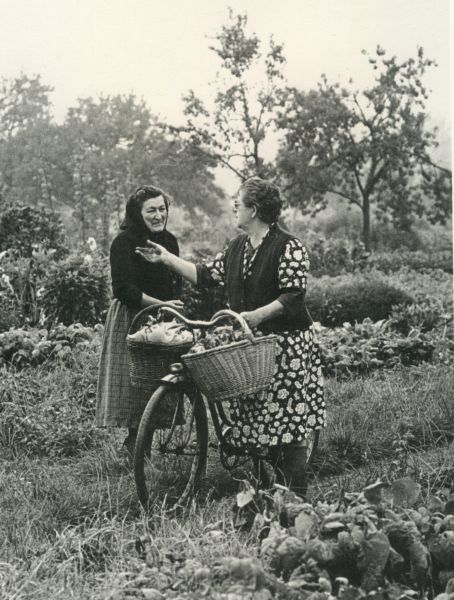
<point x="234" y="370"/>
<point x="148" y="363"/>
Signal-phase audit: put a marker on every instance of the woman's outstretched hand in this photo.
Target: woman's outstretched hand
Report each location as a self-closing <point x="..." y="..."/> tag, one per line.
<point x="153" y="253"/>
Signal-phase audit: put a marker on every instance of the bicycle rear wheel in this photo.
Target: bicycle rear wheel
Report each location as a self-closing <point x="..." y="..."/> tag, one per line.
<point x="171" y="452"/>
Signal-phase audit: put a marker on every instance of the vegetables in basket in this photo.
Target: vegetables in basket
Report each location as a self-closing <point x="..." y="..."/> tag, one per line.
<point x="220" y="336"/>
<point x="165" y="333"/>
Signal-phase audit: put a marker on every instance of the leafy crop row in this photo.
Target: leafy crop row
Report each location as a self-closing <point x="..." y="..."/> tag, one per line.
<point x="384" y="543"/>
<point x="358" y="348"/>
<point x="31" y="347"/>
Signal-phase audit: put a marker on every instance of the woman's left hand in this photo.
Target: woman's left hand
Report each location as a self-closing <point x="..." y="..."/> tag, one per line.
<point x="252" y="318"/>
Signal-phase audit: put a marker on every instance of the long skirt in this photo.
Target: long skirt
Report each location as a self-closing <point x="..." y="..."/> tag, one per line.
<point x="294" y="402"/>
<point x="119" y="404"/>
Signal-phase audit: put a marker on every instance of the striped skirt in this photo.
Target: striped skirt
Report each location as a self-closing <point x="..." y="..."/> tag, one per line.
<point x="119" y="404"/>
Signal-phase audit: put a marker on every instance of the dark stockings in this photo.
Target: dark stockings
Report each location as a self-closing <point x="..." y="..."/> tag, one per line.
<point x="289" y="464"/>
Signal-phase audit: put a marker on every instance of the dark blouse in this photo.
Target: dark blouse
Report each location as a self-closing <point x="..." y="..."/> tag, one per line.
<point x="133" y="276"/>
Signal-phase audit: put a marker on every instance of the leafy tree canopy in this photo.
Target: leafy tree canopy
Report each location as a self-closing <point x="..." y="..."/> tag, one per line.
<point x="234" y="130"/>
<point x="369" y="147"/>
<point x="91" y="163"/>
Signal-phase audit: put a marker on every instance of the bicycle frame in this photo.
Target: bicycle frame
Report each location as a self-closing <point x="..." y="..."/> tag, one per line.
<point x="181" y="378"/>
<point x="181" y="375"/>
<point x="194" y="403"/>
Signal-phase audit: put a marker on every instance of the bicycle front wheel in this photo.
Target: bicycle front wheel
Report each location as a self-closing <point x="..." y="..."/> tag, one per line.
<point x="171" y="447"/>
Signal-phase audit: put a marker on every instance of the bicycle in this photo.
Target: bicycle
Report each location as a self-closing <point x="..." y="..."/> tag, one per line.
<point x="171" y="455"/>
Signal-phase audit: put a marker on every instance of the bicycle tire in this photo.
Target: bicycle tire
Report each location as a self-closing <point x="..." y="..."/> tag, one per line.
<point x="162" y="473"/>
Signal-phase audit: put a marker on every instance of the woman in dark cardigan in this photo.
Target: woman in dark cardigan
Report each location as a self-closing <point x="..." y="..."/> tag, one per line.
<point x="264" y="272"/>
<point x="136" y="284"/>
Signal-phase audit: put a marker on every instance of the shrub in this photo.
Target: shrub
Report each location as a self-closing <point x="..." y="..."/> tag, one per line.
<point x="386" y="237"/>
<point x="76" y="290"/>
<point x="25" y="347"/>
<point x="367" y="346"/>
<point x="10" y="312"/>
<point x="425" y="316"/>
<point x="330" y="257"/>
<point x="389" y="262"/>
<point x="435" y="284"/>
<point x="335" y="300"/>
<point x="202" y="303"/>
<point x="22" y="228"/>
<point x="20" y="284"/>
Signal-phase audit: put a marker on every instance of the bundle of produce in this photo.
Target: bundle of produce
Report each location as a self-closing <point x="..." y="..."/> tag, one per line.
<point x="164" y="333"/>
<point x="153" y="348"/>
<point x="220" y="336"/>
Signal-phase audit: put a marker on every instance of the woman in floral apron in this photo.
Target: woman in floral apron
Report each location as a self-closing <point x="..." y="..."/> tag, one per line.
<point x="264" y="271"/>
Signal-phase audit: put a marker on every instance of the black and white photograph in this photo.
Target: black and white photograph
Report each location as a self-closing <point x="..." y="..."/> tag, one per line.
<point x="226" y="300"/>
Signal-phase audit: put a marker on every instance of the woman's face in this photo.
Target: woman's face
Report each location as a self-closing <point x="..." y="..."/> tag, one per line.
<point x="154" y="213"/>
<point x="244" y="214"/>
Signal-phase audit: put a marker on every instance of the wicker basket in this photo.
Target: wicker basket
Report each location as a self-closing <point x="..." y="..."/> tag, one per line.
<point x="148" y="363"/>
<point x="235" y="370"/>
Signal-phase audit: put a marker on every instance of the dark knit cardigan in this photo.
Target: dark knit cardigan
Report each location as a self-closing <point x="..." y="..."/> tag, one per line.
<point x="262" y="286"/>
<point x="133" y="276"/>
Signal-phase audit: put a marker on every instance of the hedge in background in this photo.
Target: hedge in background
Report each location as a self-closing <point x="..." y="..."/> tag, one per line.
<point x="389" y="262"/>
<point x="335" y="300"/>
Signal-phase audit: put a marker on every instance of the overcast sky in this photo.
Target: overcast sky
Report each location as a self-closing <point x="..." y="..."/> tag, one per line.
<point x="158" y="49"/>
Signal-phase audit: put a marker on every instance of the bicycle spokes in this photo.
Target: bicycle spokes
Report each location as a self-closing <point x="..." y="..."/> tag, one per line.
<point x="169" y="463"/>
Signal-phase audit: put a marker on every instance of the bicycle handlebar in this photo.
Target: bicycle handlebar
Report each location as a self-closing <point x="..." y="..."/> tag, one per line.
<point x="219" y="316"/>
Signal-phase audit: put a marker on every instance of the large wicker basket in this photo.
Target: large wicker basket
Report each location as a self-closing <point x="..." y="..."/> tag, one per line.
<point x="148" y="363"/>
<point x="232" y="371"/>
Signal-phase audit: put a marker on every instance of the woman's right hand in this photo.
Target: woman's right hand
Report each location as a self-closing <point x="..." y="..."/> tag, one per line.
<point x="153" y="253"/>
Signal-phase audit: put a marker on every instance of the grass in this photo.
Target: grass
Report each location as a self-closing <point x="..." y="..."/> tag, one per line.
<point x="69" y="528"/>
<point x="370" y="417"/>
<point x="72" y="527"/>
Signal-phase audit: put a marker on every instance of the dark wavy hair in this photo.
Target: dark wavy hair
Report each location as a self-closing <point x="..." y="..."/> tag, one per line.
<point x="265" y="196"/>
<point x="133" y="217"/>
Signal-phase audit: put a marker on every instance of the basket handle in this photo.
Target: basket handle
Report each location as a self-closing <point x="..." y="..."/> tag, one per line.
<point x="150" y="309"/>
<point x="219" y="316"/>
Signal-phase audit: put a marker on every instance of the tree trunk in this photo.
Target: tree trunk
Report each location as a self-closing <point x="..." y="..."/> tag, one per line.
<point x="366" y="223"/>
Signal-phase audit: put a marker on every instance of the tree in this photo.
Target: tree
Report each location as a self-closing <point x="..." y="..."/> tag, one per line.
<point x="108" y="149"/>
<point x="90" y="164"/>
<point x="24" y="101"/>
<point x="115" y="144"/>
<point x="369" y="147"/>
<point x="28" y="149"/>
<point x="234" y="131"/>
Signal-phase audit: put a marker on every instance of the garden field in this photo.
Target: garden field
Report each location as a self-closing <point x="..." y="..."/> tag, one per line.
<point x="72" y="526"/>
